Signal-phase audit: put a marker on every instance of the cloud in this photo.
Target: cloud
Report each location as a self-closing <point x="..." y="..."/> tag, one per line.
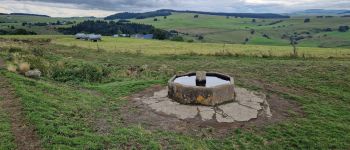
<point x="123" y="5"/>
<point x="304" y="4"/>
<point x="106" y="7"/>
<point x="51" y="9"/>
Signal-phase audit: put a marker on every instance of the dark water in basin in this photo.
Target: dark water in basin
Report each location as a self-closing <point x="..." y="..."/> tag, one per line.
<point x="191" y="81"/>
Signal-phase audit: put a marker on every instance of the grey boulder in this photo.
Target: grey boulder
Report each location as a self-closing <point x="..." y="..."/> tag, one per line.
<point x="33" y="73"/>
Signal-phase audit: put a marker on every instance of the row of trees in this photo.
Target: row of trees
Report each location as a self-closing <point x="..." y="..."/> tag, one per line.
<point x="50" y="23"/>
<point x="127" y="15"/>
<point x="343" y="28"/>
<point x="240" y="15"/>
<point x="17" y="32"/>
<point x="111" y="28"/>
<point x="167" y="12"/>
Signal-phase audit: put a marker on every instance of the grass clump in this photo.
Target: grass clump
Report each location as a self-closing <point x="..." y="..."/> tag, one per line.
<point x="38" y="52"/>
<point x="80" y="72"/>
<point x="12" y="68"/>
<point x="14" y="50"/>
<point x="23" y="67"/>
<point x="39" y="63"/>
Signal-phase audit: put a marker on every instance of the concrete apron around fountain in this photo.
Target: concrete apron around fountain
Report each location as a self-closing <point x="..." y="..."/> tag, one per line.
<point x="248" y="105"/>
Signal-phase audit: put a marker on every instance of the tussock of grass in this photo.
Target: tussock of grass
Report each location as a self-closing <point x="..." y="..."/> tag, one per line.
<point x="12" y="68"/>
<point x="23" y="67"/>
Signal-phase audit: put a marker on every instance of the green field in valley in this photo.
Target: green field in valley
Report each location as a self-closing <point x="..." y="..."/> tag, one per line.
<point x="236" y="30"/>
<point x="155" y="47"/>
<point x="7" y="21"/>
<point x="217" y="29"/>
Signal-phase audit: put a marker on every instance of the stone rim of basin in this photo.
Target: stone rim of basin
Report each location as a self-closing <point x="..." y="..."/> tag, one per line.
<point x="208" y="74"/>
<point x="202" y="95"/>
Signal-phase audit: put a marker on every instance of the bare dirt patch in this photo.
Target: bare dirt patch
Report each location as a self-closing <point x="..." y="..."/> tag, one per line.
<point x="25" y="135"/>
<point x="136" y="112"/>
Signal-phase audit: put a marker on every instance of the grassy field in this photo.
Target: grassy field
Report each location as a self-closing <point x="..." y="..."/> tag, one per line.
<point x="64" y="110"/>
<point x="6" y="21"/>
<point x="236" y="30"/>
<point x="218" y="29"/>
<point x="155" y="47"/>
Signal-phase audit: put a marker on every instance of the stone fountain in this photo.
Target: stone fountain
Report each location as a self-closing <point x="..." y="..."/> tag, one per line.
<point x="209" y="96"/>
<point x="202" y="88"/>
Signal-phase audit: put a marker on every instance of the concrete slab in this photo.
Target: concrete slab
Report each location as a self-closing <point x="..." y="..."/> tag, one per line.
<point x="239" y="112"/>
<point x="206" y="113"/>
<point x="173" y="108"/>
<point x="243" y="94"/>
<point x="254" y="105"/>
<point x="247" y="107"/>
<point x="160" y="94"/>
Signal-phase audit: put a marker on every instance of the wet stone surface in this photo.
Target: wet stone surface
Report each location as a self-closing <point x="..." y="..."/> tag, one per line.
<point x="201" y="88"/>
<point x="248" y="106"/>
<point x="210" y="81"/>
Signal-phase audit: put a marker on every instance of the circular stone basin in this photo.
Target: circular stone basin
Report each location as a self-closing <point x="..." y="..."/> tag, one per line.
<point x="201" y="88"/>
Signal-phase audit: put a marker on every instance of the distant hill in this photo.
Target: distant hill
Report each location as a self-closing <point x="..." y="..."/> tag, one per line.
<point x="322" y="11"/>
<point x="241" y="15"/>
<point x="346" y="12"/>
<point x="25" y="14"/>
<point x="127" y="15"/>
<point x="167" y="12"/>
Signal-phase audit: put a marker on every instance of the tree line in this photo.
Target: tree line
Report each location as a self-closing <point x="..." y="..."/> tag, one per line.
<point x="110" y="28"/>
<point x="16" y="32"/>
<point x="240" y="15"/>
<point x="167" y="12"/>
<point x="127" y="15"/>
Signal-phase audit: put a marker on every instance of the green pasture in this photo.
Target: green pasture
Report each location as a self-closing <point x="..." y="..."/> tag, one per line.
<point x="236" y="30"/>
<point x="155" y="47"/>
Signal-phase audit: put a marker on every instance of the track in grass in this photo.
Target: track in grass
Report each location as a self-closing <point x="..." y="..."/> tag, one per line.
<point x="24" y="133"/>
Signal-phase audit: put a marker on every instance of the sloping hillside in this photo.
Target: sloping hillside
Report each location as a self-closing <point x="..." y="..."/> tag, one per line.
<point x="254" y="31"/>
<point x="167" y="12"/>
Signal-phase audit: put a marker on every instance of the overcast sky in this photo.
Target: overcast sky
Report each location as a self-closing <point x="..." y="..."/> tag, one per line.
<point x="101" y="8"/>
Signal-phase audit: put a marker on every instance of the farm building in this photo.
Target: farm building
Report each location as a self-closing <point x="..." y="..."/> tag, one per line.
<point x="143" y="36"/>
<point x="124" y="35"/>
<point x="148" y="36"/>
<point x="91" y="37"/>
<point x="94" y="37"/>
<point x="121" y="35"/>
<point x="80" y="36"/>
<point x="138" y="36"/>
